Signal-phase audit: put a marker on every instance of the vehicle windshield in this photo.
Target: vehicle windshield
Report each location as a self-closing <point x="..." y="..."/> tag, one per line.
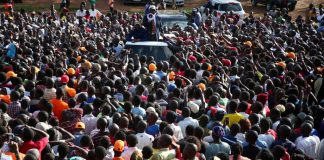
<point x="230" y="7"/>
<point x="170" y="21"/>
<point x="160" y="53"/>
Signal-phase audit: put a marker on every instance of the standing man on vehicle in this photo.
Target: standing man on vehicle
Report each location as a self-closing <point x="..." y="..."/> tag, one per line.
<point x="152" y="23"/>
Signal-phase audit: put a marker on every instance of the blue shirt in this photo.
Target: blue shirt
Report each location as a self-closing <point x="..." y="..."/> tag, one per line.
<point x="139" y="111"/>
<point x="161" y="74"/>
<point x="153" y="130"/>
<point x="231" y="140"/>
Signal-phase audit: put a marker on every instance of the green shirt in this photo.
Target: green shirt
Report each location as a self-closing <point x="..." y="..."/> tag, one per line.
<point x="164" y="154"/>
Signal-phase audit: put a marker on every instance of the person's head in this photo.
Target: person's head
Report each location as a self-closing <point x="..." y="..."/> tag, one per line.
<point x="245" y="125"/>
<point x="218" y="133"/>
<point x="152" y="117"/>
<point x="171" y="117"/>
<point x="190" y="129"/>
<point x="34" y="152"/>
<point x="278" y="152"/>
<point x="232" y="106"/>
<point x="265" y="154"/>
<point x="147" y="152"/>
<point x="251" y="137"/>
<point x="63" y="150"/>
<point x="254" y="119"/>
<point x="49" y="83"/>
<point x="42" y="116"/>
<point x="131" y="140"/>
<point x="102" y="123"/>
<point x="186" y="112"/>
<point x="141" y="126"/>
<point x="306" y="129"/>
<point x="199" y="132"/>
<point x="237" y="149"/>
<point x="123" y="122"/>
<point x="105" y="142"/>
<point x="264" y="125"/>
<point x="87" y="109"/>
<point x="203" y="120"/>
<point x="59" y="93"/>
<point x="27" y="134"/>
<point x="100" y="153"/>
<point x="85" y="141"/>
<point x="14" y="96"/>
<point x="234" y="129"/>
<point x="189" y="151"/>
<point x="164" y="141"/>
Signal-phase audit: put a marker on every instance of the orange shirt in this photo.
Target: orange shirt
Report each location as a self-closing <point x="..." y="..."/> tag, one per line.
<point x="5" y="98"/>
<point x="13" y="156"/>
<point x="58" y="107"/>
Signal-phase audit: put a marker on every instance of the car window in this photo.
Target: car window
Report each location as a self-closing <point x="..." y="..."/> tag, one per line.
<point x="172" y="20"/>
<point x="216" y="6"/>
<point x="230" y="7"/>
<point x="160" y="53"/>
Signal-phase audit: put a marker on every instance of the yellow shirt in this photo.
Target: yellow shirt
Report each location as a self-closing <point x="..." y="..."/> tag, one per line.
<point x="233" y="118"/>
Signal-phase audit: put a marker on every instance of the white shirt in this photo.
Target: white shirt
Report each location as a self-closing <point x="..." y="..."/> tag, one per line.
<point x="269" y="139"/>
<point x="93" y="13"/>
<point x="90" y="122"/>
<point x="177" y="131"/>
<point x="185" y="122"/>
<point x="80" y="13"/>
<point x="144" y="139"/>
<point x="128" y="152"/>
<point x="320" y="152"/>
<point x="309" y="145"/>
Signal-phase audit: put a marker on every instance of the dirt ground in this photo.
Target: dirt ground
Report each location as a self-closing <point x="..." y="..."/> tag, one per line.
<point x="259" y="10"/>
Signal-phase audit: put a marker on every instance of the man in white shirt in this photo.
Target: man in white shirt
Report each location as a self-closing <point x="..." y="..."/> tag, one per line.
<point x="171" y="118"/>
<point x="81" y="12"/>
<point x="306" y="142"/>
<point x="143" y="138"/>
<point x="89" y="119"/>
<point x="131" y="143"/>
<point x="186" y="121"/>
<point x="94" y="12"/>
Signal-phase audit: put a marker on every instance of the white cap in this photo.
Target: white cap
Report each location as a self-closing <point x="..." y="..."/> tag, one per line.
<point x="193" y="107"/>
<point x="152" y="7"/>
<point x="150" y="110"/>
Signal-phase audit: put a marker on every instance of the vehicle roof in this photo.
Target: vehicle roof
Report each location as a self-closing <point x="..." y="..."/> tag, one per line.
<point x="225" y="1"/>
<point x="170" y="12"/>
<point x="147" y="43"/>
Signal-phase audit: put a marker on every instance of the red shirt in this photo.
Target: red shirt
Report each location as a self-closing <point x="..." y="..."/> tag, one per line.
<point x="40" y="145"/>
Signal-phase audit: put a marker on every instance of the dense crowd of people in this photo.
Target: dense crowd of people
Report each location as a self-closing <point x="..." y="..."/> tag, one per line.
<point x="236" y="88"/>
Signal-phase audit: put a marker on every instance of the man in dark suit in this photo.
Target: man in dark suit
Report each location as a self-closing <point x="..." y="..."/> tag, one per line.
<point x="152" y="23"/>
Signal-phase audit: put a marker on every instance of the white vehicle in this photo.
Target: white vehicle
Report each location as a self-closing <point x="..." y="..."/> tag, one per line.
<point x="223" y="6"/>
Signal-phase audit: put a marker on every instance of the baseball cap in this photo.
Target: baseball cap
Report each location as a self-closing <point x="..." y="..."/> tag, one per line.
<point x="70" y="71"/>
<point x="11" y="74"/>
<point x="65" y="79"/>
<point x="80" y="125"/>
<point x="119" y="146"/>
<point x="194" y="108"/>
<point x="248" y="43"/>
<point x="152" y="67"/>
<point x="202" y="86"/>
<point x="150" y="110"/>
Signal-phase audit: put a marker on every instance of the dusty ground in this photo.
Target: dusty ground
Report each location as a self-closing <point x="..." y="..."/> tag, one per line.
<point x="259" y="10"/>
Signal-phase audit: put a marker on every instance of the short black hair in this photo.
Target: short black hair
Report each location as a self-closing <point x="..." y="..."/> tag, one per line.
<point x="100" y="152"/>
<point x="27" y="134"/>
<point x="63" y="150"/>
<point x="131" y="140"/>
<point x="147" y="152"/>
